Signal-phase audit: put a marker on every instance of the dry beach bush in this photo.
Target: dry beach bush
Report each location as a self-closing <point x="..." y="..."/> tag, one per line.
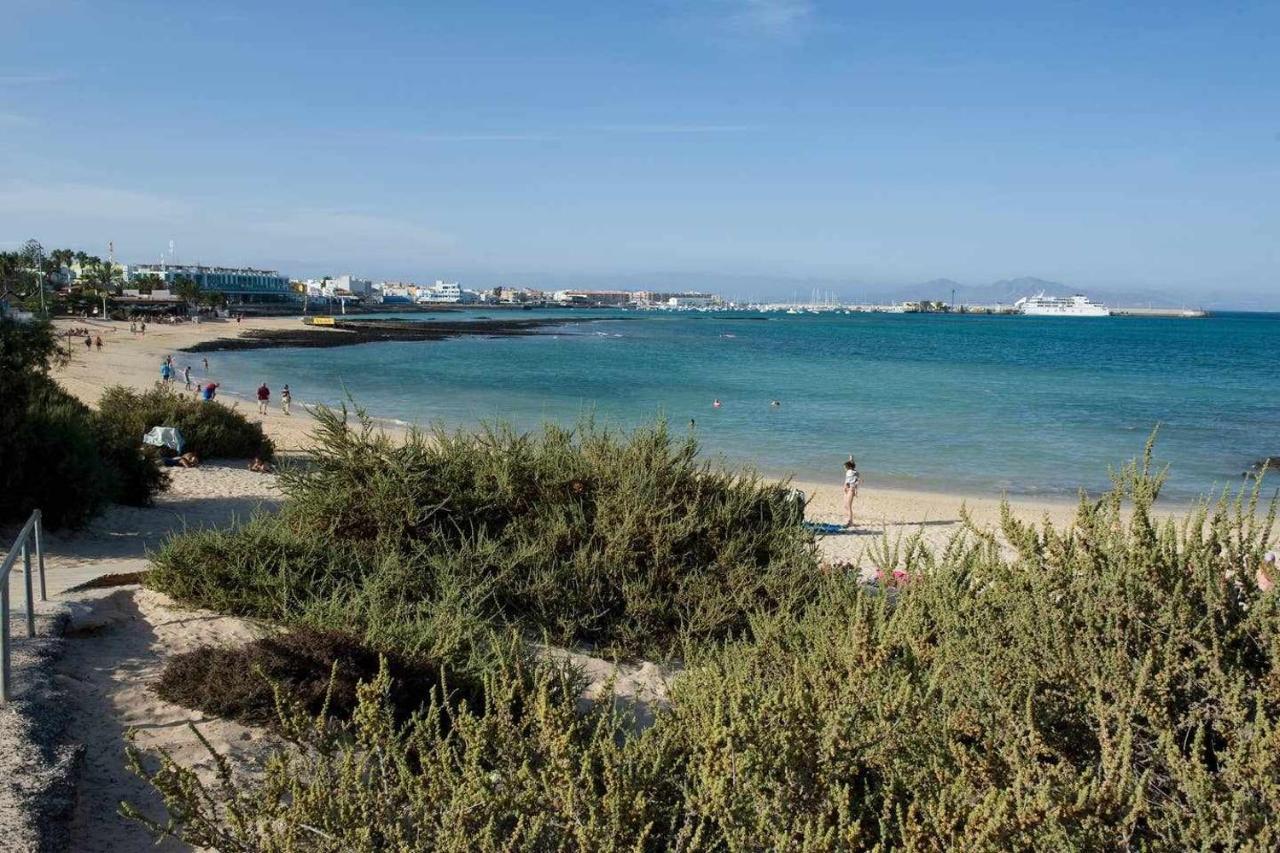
<point x="318" y="670"/>
<point x="1114" y="684"/>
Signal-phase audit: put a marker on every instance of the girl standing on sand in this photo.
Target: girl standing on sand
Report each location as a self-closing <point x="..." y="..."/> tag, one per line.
<point x="850" y="489"/>
<point x="286" y="397"/>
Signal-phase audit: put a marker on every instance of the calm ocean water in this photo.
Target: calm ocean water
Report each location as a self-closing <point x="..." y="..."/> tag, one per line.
<point x="1034" y="406"/>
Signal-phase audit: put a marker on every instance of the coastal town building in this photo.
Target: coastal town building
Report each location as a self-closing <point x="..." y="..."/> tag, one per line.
<point x="239" y="284"/>
<point x="509" y="295"/>
<point x="447" y="293"/>
<point x="395" y="292"/>
<point x="344" y="287"/>
<point x="596" y="298"/>
<point x="350" y="284"/>
<point x="670" y="299"/>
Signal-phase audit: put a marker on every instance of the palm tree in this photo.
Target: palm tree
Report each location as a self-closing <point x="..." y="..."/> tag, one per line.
<point x="60" y="258"/>
<point x="188" y="289"/>
<point x="10" y="277"/>
<point x="104" y="280"/>
<point x="37" y="265"/>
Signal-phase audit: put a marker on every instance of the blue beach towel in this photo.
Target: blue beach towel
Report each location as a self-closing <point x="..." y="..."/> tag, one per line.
<point x="823" y="528"/>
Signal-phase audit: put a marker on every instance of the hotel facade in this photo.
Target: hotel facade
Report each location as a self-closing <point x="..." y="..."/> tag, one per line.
<point x="241" y="285"/>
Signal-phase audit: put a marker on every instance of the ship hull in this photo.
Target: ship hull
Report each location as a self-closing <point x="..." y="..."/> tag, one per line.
<point x="1066" y="312"/>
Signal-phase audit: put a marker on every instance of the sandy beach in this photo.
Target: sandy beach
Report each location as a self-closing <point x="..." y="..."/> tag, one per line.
<point x="134" y="360"/>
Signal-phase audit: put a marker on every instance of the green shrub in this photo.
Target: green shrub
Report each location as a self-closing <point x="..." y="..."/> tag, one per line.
<point x="623" y="541"/>
<point x="1114" y="684"/>
<point x="210" y="429"/>
<point x="56" y="454"/>
<point x="63" y="473"/>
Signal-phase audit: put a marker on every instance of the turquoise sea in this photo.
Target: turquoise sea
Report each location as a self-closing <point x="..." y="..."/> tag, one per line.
<point x="1031" y="406"/>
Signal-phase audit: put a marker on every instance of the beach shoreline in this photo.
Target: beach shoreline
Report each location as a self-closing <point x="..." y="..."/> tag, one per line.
<point x="134" y="360"/>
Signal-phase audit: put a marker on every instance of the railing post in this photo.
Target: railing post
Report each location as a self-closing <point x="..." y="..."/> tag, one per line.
<point x="26" y="576"/>
<point x="4" y="641"/>
<point x="40" y="553"/>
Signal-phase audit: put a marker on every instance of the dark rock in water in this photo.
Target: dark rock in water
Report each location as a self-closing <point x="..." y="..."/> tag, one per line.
<point x="1271" y="463"/>
<point x="347" y="332"/>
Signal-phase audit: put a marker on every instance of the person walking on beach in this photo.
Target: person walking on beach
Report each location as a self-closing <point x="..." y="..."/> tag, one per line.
<point x="206" y="364"/>
<point x="850" y="489"/>
<point x="164" y="371"/>
<point x="286" y="397"/>
<point x="186" y="376"/>
<point x="264" y="394"/>
<point x="88" y="342"/>
<point x="98" y="342"/>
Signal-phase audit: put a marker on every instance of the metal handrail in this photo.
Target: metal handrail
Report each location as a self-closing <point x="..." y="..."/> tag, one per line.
<point x="31" y="534"/>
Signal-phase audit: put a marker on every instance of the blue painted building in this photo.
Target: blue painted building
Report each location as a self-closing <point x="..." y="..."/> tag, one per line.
<point x="240" y="284"/>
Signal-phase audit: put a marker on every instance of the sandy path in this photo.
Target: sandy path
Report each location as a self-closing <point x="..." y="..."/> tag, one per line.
<point x="212" y="495"/>
<point x="116" y="646"/>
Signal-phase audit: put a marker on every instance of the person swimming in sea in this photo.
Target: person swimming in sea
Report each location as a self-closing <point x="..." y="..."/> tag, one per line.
<point x="775" y="404"/>
<point x="715" y="404"/>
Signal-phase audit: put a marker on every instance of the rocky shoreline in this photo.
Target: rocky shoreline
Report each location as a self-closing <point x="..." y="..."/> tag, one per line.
<point x="350" y="332"/>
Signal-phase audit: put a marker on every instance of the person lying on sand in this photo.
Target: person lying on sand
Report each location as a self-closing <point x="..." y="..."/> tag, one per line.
<point x="186" y="460"/>
<point x="260" y="467"/>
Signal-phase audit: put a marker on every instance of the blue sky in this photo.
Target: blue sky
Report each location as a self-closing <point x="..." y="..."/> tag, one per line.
<point x="1112" y="146"/>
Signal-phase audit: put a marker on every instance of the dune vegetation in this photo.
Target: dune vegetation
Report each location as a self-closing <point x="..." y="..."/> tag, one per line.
<point x="209" y="428"/>
<point x="57" y="454"/>
<point x="1108" y="685"/>
<point x="626" y="543"/>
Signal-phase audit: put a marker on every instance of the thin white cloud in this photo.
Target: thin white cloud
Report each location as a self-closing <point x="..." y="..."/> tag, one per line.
<point x="581" y="132"/>
<point x="336" y="232"/>
<point x="751" y="20"/>
<point x="15" y="120"/>
<point x="31" y="79"/>
<point x="784" y="18"/>
<point x="86" y="202"/>
<point x="482" y="136"/>
<point x="672" y="129"/>
<point x="208" y="230"/>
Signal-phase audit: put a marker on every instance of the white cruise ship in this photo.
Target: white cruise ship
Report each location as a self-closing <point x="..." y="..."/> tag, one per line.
<point x="1060" y="306"/>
